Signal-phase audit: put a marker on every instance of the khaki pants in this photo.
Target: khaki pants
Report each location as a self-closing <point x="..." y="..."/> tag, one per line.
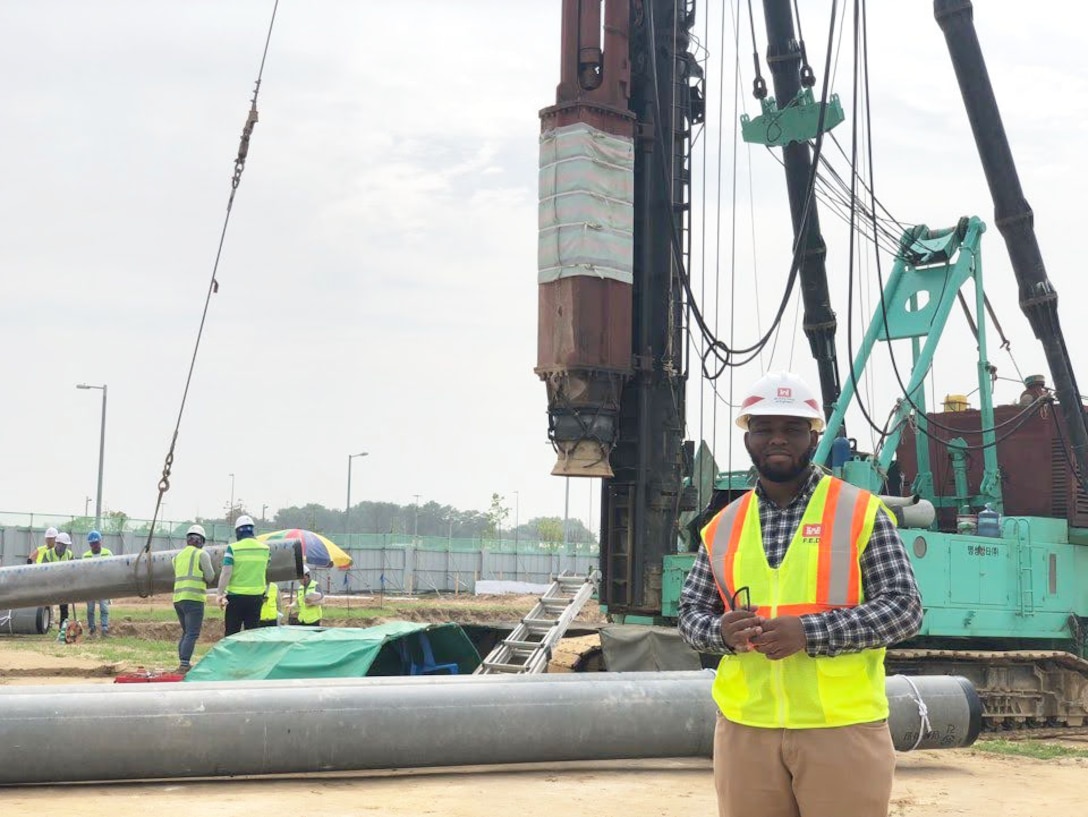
<point x="838" y="772"/>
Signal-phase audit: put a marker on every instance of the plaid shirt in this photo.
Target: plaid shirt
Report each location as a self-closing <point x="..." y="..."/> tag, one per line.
<point x="891" y="612"/>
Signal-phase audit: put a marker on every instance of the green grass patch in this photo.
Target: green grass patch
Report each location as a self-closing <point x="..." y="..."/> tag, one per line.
<point x="1040" y="750"/>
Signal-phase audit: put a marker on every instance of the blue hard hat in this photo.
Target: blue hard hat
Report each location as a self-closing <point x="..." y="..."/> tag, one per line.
<point x="94" y="536"/>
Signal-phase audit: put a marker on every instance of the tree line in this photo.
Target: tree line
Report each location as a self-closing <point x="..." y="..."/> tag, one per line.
<point x="429" y="519"/>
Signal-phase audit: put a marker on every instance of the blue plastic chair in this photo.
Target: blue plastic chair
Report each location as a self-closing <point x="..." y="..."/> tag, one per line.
<point x="428" y="666"/>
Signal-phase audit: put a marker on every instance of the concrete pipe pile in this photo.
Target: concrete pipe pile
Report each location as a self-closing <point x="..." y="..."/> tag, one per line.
<point x="106" y="577"/>
<point x="26" y="621"/>
<point x="279" y="727"/>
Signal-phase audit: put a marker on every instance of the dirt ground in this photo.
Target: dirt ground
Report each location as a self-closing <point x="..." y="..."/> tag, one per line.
<point x="935" y="784"/>
<point x="928" y="784"/>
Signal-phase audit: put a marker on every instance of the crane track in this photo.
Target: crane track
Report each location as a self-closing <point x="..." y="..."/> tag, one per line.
<point x="1025" y="693"/>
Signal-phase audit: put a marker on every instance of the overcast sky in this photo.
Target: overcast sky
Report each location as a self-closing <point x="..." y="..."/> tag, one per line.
<point x="378" y="285"/>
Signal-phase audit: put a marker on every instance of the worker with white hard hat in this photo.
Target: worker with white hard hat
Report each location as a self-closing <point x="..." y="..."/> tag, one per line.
<point x="306" y="606"/>
<point x="800" y="584"/>
<point x="243" y="580"/>
<point x="38" y="556"/>
<point x="193" y="573"/>
<point x="61" y="552"/>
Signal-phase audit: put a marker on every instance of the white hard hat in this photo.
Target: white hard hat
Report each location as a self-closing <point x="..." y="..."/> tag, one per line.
<point x="64" y="539"/>
<point x="197" y="529"/>
<point x="781" y="394"/>
<point x="242" y="522"/>
<point x="305" y="570"/>
<point x="50" y="533"/>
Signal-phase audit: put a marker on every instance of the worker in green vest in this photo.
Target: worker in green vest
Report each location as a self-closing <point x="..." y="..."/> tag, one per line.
<point x="94" y="543"/>
<point x="38" y="556"/>
<point x="193" y="573"/>
<point x="800" y="584"/>
<point x="61" y="552"/>
<point x="270" y="610"/>
<point x="306" y="606"/>
<point x="244" y="579"/>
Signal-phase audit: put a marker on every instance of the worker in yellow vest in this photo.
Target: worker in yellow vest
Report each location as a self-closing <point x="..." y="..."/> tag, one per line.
<point x="38" y="556"/>
<point x="94" y="551"/>
<point x="60" y="552"/>
<point x="800" y="584"/>
<point x="306" y="606"/>
<point x="243" y="579"/>
<point x="270" y="610"/>
<point x="193" y="573"/>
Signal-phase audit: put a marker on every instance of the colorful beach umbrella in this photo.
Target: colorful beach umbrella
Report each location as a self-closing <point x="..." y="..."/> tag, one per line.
<point x="317" y="550"/>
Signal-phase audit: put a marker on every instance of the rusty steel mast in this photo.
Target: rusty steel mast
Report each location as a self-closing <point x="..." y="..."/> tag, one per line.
<point x="615" y="182"/>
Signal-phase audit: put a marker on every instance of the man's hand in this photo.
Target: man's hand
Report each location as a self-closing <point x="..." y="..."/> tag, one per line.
<point x="739" y="627"/>
<point x="222" y="600"/>
<point x="780" y="637"/>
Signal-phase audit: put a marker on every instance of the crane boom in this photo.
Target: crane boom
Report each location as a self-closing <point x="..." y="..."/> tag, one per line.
<point x="1012" y="213"/>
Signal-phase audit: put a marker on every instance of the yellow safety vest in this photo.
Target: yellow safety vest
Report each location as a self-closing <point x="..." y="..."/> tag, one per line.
<point x="50" y="555"/>
<point x="270" y="610"/>
<point x="101" y="552"/>
<point x="188" y="577"/>
<point x="820" y="572"/>
<point x="248" y="573"/>
<point x="307" y="613"/>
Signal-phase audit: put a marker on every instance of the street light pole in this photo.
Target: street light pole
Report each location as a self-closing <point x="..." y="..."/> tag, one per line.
<point x="101" y="453"/>
<point x="230" y="510"/>
<point x="347" y="506"/>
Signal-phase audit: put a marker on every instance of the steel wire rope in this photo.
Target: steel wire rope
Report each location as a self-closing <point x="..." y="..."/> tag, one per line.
<point x="839" y="192"/>
<point x="811" y="194"/>
<point x="702" y="257"/>
<point x="861" y="67"/>
<point x="716" y="346"/>
<point x="213" y="284"/>
<point x="838" y="202"/>
<point x="732" y="241"/>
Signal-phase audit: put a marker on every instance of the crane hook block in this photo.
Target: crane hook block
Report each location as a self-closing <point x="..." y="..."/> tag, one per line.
<point x="799" y="121"/>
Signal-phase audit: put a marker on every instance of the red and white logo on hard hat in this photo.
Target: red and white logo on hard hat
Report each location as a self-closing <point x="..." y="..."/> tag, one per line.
<point x="785" y="391"/>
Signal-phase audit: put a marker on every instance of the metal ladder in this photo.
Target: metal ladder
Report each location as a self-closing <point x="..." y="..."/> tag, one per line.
<point x="529" y="647"/>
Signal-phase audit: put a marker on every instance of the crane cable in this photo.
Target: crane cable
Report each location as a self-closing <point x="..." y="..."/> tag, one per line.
<point x="213" y="287"/>
<point x="723" y="352"/>
<point x="861" y="74"/>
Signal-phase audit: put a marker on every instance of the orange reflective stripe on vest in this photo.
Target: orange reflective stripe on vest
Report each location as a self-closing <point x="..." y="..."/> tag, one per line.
<point x="730" y="521"/>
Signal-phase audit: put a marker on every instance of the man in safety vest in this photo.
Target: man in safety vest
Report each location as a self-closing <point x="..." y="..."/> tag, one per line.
<point x="306" y="606"/>
<point x="94" y="543"/>
<point x="244" y="579"/>
<point x="193" y="573"/>
<point x="801" y="584"/>
<point x="60" y="552"/>
<point x="270" y="608"/>
<point x="38" y="556"/>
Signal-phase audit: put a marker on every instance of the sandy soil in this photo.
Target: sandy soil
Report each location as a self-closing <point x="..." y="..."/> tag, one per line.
<point x="930" y="784"/>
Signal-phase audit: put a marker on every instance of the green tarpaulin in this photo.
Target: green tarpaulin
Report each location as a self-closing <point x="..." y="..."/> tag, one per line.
<point x="395" y="648"/>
